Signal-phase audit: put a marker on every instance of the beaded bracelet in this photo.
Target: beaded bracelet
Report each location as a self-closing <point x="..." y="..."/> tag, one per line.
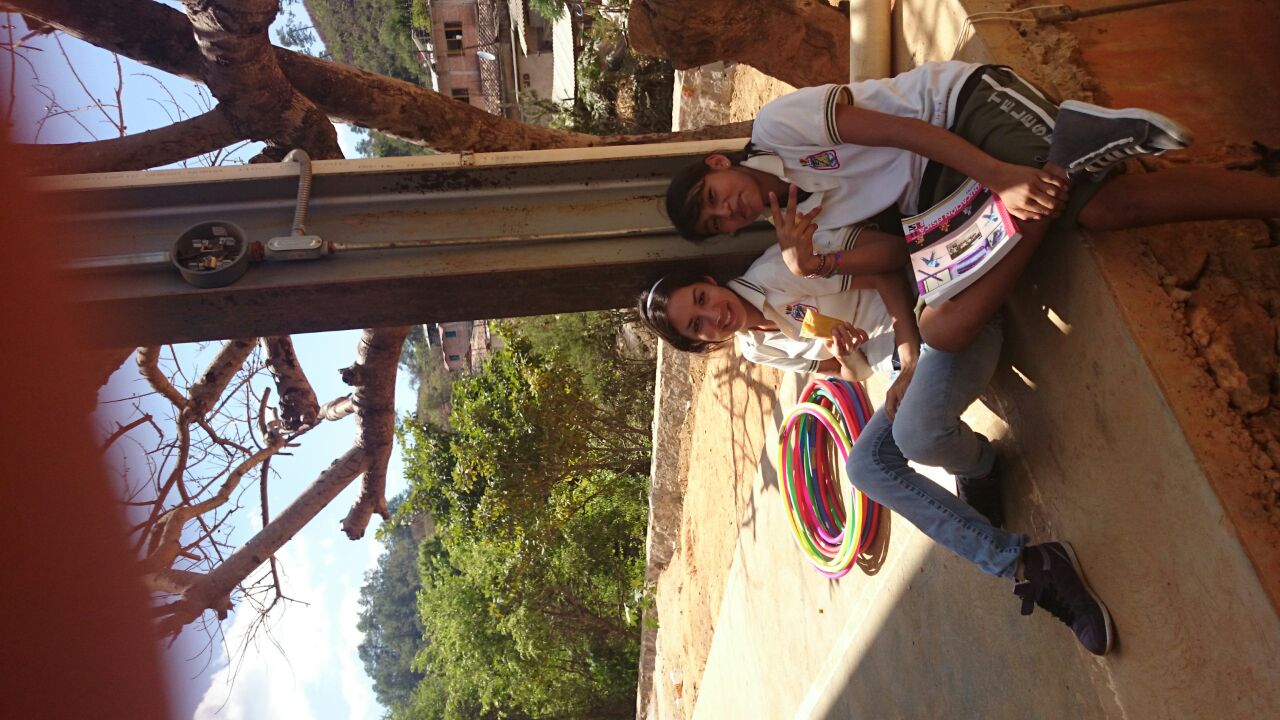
<point x="835" y="264"/>
<point x="822" y="264"/>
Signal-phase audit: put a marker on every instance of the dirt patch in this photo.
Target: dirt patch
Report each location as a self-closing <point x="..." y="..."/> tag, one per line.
<point x="715" y="510"/>
<point x="1222" y="278"/>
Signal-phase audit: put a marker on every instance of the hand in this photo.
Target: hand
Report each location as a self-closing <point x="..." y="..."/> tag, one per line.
<point x="845" y="338"/>
<point x="1030" y="193"/>
<point x="795" y="234"/>
<point x="893" y="397"/>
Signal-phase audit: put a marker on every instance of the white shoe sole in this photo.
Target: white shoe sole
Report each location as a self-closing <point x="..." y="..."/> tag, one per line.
<point x="1178" y="137"/>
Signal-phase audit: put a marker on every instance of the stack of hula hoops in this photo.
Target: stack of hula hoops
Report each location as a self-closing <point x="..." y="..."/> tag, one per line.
<point x="831" y="527"/>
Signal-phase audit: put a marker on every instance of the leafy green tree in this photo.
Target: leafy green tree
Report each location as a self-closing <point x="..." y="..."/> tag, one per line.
<point x="544" y="626"/>
<point x="389" y="619"/>
<point x="527" y="422"/>
<point x="419" y="15"/>
<point x="530" y="601"/>
<point x="616" y="365"/>
<point x="373" y="35"/>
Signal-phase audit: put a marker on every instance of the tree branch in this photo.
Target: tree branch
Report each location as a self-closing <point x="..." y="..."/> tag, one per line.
<point x="241" y="71"/>
<point x="378" y="358"/>
<point x="298" y="404"/>
<point x="208" y="388"/>
<point x="214" y="589"/>
<point x="161" y="37"/>
<point x="170" y="144"/>
<point x="149" y="366"/>
<point x="122" y="429"/>
<point x="337" y="408"/>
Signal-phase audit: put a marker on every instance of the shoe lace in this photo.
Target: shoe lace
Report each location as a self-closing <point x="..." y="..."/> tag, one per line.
<point x="1113" y="156"/>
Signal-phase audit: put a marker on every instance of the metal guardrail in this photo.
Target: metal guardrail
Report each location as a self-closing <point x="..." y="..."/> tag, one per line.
<point x="432" y="239"/>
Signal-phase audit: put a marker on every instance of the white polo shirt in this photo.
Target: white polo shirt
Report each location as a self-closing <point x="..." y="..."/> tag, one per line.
<point x="783" y="298"/>
<point x="857" y="181"/>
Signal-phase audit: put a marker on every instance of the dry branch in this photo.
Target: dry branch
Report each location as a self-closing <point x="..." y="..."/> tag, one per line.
<point x="158" y="36"/>
<point x="122" y="429"/>
<point x="224" y="366"/>
<point x="337" y="408"/>
<point x="149" y="365"/>
<point x="166" y="542"/>
<point x="298" y="404"/>
<point x="213" y="591"/>
<point x="170" y="144"/>
<point x="377" y="357"/>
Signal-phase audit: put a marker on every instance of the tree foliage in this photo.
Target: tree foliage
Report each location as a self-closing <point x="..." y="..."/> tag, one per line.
<point x="389" y="617"/>
<point x="373" y="35"/>
<point x="530" y="599"/>
<point x="380" y="144"/>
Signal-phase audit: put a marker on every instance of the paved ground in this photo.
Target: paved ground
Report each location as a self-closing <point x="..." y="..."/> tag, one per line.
<point x="1118" y="440"/>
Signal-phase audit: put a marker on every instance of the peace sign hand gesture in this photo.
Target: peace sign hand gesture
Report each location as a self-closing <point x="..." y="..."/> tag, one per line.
<point x="795" y="234"/>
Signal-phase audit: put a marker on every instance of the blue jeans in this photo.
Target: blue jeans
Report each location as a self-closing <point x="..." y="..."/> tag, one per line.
<point x="928" y="430"/>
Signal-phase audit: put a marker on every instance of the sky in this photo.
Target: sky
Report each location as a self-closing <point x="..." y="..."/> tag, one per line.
<point x="307" y="665"/>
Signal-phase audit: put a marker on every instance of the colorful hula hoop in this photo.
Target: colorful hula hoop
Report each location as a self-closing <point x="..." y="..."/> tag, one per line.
<point x="831" y="527"/>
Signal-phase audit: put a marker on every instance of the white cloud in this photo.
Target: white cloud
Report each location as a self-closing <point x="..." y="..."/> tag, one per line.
<point x="282" y="672"/>
<point x="357" y="687"/>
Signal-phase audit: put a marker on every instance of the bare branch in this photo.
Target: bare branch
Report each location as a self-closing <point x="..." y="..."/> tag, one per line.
<point x="378" y="359"/>
<point x="214" y="379"/>
<point x="266" y="520"/>
<point x="173" y="143"/>
<point x="88" y="93"/>
<point x="166" y="544"/>
<point x="337" y="408"/>
<point x="149" y="365"/>
<point x="213" y="591"/>
<point x="122" y="429"/>
<point x="298" y="405"/>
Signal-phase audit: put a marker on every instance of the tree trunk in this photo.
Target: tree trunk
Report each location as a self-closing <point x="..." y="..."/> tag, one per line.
<point x="241" y="72"/>
<point x="158" y="36"/>
<point x="768" y="35"/>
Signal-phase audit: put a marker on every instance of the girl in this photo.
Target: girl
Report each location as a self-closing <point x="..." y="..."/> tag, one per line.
<point x="844" y="153"/>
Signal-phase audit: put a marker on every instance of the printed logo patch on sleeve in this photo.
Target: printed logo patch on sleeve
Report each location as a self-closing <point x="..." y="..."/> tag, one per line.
<point x="797" y="311"/>
<point x="825" y="160"/>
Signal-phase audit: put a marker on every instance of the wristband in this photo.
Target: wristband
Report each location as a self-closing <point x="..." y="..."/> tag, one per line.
<point x="835" y="264"/>
<point x="817" y="273"/>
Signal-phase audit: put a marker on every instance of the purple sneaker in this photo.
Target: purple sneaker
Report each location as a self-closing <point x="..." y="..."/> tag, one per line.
<point x="1055" y="582"/>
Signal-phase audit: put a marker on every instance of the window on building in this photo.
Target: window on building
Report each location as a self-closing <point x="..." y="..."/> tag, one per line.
<point x="453" y="37"/>
<point x="451" y="333"/>
<point x="461" y="94"/>
<point x="455" y="358"/>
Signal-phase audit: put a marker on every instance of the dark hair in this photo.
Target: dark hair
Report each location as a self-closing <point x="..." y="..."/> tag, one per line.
<point x="652" y="307"/>
<point x="684" y="203"/>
